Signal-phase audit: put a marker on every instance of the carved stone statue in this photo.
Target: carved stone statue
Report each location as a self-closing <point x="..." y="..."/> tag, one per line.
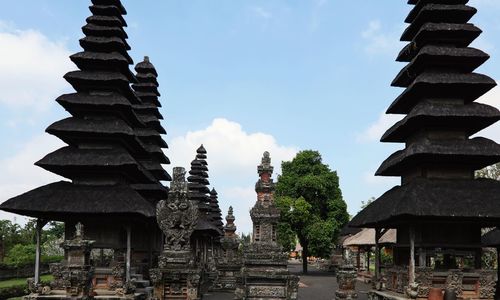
<point x="177" y="216"/>
<point x="177" y="275"/>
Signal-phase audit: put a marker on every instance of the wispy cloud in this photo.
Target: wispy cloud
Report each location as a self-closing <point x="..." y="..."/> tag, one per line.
<point x="316" y="14"/>
<point x="261" y="12"/>
<point x="32" y="68"/>
<point x="378" y="41"/>
<point x="375" y="131"/>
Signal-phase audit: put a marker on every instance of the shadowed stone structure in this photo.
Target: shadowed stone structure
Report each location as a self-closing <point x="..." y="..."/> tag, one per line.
<point x="439" y="208"/>
<point x="73" y="277"/>
<point x="229" y="262"/>
<point x="265" y="274"/>
<point x="177" y="275"/>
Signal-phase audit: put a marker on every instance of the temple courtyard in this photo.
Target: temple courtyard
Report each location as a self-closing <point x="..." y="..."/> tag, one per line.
<point x="317" y="285"/>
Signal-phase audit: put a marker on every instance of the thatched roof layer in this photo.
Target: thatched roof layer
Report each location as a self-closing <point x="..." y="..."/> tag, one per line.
<point x="433" y="199"/>
<point x="65" y="200"/>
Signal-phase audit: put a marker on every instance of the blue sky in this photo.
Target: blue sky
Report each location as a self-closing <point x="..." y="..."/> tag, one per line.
<point x="241" y="77"/>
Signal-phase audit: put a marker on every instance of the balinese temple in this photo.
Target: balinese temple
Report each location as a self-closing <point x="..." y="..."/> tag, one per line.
<point x="265" y="274"/>
<point x="439" y="208"/>
<point x="111" y="181"/>
<point x="206" y="231"/>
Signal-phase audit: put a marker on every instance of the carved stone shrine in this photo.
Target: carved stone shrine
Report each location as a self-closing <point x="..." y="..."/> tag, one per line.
<point x="72" y="277"/>
<point x="346" y="281"/>
<point x="177" y="276"/>
<point x="230" y="262"/>
<point x="265" y="274"/>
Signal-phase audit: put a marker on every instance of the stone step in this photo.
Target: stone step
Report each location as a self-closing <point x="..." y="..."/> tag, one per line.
<point x="142" y="283"/>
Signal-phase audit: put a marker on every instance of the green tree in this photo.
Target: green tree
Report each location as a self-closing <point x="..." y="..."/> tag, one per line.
<point x="311" y="205"/>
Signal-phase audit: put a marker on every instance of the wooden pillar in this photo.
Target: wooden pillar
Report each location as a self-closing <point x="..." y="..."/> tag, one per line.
<point x="358" y="259"/>
<point x="129" y="254"/>
<point x="368" y="251"/>
<point x="378" y="235"/>
<point x="411" y="266"/>
<point x="422" y="258"/>
<point x="38" y="253"/>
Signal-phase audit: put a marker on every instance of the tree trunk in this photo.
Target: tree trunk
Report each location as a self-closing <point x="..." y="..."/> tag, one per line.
<point x="305" y="254"/>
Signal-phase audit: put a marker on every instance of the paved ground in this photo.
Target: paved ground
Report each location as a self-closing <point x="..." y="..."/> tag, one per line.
<point x="316" y="285"/>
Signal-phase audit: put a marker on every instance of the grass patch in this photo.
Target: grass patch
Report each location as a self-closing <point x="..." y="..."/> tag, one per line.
<point x="21" y="281"/>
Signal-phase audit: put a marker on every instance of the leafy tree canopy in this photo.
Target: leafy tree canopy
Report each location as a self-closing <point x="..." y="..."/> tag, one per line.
<point x="311" y="205"/>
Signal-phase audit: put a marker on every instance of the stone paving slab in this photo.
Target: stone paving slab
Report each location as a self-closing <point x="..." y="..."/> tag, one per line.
<point x="317" y="285"/>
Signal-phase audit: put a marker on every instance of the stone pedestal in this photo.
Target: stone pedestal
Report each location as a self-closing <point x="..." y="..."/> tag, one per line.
<point x="176" y="277"/>
<point x="72" y="277"/>
<point x="230" y="262"/>
<point x="346" y="280"/>
<point x="265" y="274"/>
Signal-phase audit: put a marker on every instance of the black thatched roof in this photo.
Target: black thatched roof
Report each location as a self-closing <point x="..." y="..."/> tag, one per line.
<point x="103" y="155"/>
<point x="64" y="200"/>
<point x="471" y="118"/>
<point x="478" y="152"/>
<point x="348" y="230"/>
<point x="434" y="199"/>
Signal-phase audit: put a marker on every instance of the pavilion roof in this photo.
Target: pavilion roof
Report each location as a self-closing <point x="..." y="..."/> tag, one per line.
<point x="64" y="200"/>
<point x="366" y="237"/>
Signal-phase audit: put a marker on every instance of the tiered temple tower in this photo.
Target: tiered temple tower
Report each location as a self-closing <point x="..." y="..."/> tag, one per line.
<point x="146" y="89"/>
<point x="104" y="157"/>
<point x="265" y="274"/>
<point x="215" y="211"/>
<point x="439" y="208"/>
<point x="206" y="232"/>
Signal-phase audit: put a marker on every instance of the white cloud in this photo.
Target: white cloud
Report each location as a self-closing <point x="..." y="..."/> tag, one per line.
<point x="233" y="156"/>
<point x="377" y="129"/>
<point x="19" y="174"/>
<point x="261" y="12"/>
<point x="491" y="98"/>
<point x="32" y="68"/>
<point x="380" y="42"/>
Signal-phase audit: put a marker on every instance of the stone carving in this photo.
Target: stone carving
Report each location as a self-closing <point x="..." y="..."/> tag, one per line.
<point x="423" y="276"/>
<point x="73" y="277"/>
<point x="346" y="280"/>
<point x="265" y="274"/>
<point x="230" y="263"/>
<point x="454" y="281"/>
<point x="487" y="284"/>
<point x="177" y="216"/>
<point x="177" y="275"/>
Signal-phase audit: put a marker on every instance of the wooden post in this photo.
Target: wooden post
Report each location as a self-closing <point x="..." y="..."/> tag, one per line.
<point x="129" y="250"/>
<point x="38" y="253"/>
<point x="378" y="235"/>
<point x="368" y="251"/>
<point x="358" y="259"/>
<point x="411" y="267"/>
<point x="422" y="258"/>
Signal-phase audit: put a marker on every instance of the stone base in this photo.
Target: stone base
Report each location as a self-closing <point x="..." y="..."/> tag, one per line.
<point x="227" y="277"/>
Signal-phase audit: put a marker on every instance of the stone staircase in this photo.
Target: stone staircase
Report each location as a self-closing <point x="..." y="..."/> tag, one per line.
<point x="143" y="286"/>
